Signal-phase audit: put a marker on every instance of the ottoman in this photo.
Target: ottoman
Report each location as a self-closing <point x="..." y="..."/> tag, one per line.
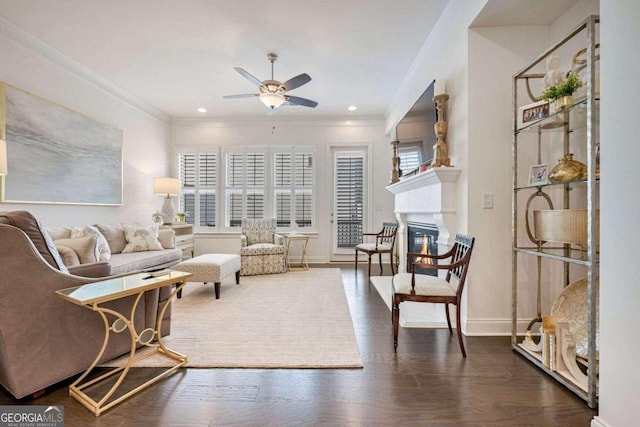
<point x="211" y="268"/>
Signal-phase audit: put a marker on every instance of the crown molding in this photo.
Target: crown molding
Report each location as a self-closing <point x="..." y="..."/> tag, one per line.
<point x="32" y="43"/>
<point x="281" y="121"/>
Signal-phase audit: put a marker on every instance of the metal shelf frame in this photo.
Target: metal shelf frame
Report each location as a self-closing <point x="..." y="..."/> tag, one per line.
<point x="589" y="26"/>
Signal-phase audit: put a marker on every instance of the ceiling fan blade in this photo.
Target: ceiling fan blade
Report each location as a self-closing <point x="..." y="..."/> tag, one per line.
<point x="296" y="82"/>
<point x="244" y="95"/>
<point x="247" y="75"/>
<point x="301" y="101"/>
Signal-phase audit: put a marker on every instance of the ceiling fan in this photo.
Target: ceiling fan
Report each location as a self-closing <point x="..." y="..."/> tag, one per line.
<point x="272" y="92"/>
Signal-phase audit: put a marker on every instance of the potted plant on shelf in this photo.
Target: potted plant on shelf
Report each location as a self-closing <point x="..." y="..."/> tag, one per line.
<point x="562" y="93"/>
<point x="182" y="216"/>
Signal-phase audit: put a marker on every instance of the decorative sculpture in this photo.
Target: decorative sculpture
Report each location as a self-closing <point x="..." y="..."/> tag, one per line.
<point x="395" y="162"/>
<point x="440" y="127"/>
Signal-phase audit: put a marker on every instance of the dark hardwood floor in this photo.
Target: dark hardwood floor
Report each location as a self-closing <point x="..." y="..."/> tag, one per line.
<point x="427" y="382"/>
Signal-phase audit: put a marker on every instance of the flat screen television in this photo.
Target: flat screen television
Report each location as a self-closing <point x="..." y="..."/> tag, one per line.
<point x="416" y="135"/>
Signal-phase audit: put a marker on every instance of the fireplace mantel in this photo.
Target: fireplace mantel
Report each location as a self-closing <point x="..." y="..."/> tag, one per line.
<point x="428" y="197"/>
<point x="433" y="176"/>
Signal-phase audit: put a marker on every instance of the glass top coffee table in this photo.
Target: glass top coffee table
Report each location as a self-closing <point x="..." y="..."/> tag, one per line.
<point x="92" y="296"/>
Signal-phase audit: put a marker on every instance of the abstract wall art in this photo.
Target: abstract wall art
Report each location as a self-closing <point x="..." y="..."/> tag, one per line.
<point x="56" y="155"/>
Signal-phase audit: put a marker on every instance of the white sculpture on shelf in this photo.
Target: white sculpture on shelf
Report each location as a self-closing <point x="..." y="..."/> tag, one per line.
<point x="554" y="76"/>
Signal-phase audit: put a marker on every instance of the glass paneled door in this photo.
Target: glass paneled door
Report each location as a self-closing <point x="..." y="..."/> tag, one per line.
<point x="348" y="217"/>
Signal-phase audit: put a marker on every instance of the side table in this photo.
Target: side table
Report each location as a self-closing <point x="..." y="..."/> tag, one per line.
<point x="91" y="296"/>
<point x="184" y="237"/>
<point x="304" y="240"/>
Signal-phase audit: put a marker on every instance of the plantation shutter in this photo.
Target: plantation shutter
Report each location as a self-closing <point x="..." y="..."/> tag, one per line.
<point x="349" y="204"/>
<point x="293" y="189"/>
<point x="245" y="187"/>
<point x="282" y="174"/>
<point x="207" y="181"/>
<point x="304" y="189"/>
<point x="200" y="187"/>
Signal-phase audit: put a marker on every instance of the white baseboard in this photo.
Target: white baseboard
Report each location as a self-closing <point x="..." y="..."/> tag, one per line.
<point x="598" y="422"/>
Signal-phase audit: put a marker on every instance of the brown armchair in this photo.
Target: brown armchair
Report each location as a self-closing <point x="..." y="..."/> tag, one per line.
<point x="424" y="288"/>
<point x="43" y="339"/>
<point x="385" y="241"/>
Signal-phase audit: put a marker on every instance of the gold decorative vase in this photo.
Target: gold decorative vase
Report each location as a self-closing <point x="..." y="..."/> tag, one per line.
<point x="568" y="170"/>
<point x="563" y="102"/>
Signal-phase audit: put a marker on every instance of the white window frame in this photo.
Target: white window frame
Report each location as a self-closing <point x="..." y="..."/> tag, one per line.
<point x="244" y="189"/>
<point x="197" y="151"/>
<point x="294" y="187"/>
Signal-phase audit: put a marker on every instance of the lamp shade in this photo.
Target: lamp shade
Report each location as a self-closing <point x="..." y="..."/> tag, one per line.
<point x="3" y="158"/>
<point x="166" y="186"/>
<point x="272" y="100"/>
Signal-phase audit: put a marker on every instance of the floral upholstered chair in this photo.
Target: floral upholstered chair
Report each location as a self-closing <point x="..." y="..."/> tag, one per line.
<point x="261" y="249"/>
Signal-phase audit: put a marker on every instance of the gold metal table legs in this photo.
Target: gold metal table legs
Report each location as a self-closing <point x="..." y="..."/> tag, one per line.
<point x="145" y="338"/>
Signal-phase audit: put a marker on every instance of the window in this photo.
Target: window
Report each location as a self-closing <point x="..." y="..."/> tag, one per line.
<point x="244" y="186"/>
<point x="221" y="186"/>
<point x="349" y="198"/>
<point x="410" y="156"/>
<point x="293" y="189"/>
<point x="198" y="174"/>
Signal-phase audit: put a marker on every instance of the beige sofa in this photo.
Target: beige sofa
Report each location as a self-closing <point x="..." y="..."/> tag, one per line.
<point x="120" y="262"/>
<point x="44" y="339"/>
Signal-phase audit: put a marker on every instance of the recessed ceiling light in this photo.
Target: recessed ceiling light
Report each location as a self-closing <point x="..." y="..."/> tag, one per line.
<point x="352" y="108"/>
<point x="202" y="110"/>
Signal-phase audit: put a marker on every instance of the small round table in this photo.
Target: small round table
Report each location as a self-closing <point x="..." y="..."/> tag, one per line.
<point x="302" y="265"/>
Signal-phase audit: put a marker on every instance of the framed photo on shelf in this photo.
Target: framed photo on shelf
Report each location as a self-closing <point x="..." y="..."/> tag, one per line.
<point x="533" y="112"/>
<point x="538" y="174"/>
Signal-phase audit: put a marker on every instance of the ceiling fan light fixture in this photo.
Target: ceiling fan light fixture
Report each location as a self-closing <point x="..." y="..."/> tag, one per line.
<point x="272" y="100"/>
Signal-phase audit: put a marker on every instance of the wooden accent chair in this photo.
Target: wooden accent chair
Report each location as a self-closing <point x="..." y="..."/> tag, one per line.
<point x="423" y="288"/>
<point x="384" y="244"/>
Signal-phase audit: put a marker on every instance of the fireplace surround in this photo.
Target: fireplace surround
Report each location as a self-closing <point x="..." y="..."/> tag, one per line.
<point x="426" y="198"/>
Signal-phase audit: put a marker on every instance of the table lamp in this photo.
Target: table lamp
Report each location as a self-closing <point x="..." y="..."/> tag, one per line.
<point x="169" y="187"/>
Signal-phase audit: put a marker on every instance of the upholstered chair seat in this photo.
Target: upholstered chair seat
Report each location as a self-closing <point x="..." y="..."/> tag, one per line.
<point x="424" y="285"/>
<point x="262" y="251"/>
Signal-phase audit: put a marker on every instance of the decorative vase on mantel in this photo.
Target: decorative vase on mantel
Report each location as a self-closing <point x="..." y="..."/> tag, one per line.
<point x="563" y="102"/>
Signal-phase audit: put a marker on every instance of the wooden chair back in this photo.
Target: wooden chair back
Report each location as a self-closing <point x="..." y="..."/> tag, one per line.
<point x="388" y="233"/>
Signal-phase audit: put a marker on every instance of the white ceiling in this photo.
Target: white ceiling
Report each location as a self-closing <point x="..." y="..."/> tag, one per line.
<point x="179" y="55"/>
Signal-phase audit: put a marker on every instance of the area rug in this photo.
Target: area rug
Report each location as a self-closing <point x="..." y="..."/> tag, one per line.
<point x="298" y="319"/>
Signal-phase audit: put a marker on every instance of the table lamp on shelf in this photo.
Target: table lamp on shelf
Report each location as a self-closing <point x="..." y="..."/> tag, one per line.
<point x="168" y="187"/>
<point x="3" y="158"/>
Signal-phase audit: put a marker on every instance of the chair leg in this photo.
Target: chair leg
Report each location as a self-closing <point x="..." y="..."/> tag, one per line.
<point x="369" y="265"/>
<point x="459" y="328"/>
<point x="391" y="263"/>
<point x="395" y="315"/>
<point x="380" y="261"/>
<point x="217" y="289"/>
<point x="356" y="262"/>
<point x="446" y="310"/>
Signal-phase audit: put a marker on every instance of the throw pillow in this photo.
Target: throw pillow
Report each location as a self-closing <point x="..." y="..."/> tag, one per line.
<point x="68" y="255"/>
<point x="141" y="238"/>
<point x="114" y="233"/>
<point x="85" y="247"/>
<point x="104" y="253"/>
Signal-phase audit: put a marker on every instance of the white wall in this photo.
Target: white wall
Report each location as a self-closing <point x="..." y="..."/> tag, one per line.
<point x="620" y="210"/>
<point x="145" y="137"/>
<point x="477" y="65"/>
<point x="321" y="133"/>
<point x="495" y="55"/>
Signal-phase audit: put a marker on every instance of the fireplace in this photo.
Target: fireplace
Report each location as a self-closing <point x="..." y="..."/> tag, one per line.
<point x="422" y="238"/>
